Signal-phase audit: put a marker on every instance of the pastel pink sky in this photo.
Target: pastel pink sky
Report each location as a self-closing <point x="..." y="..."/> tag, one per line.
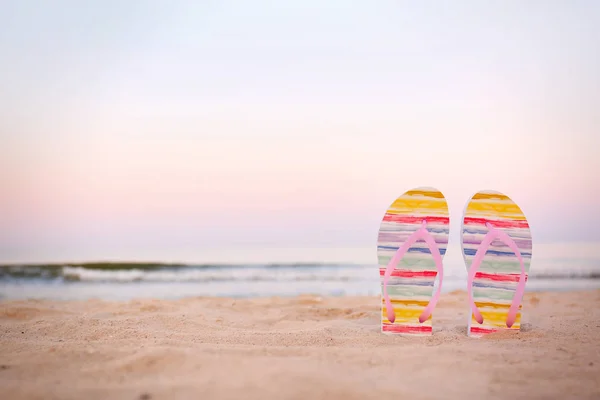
<point x="150" y="145"/>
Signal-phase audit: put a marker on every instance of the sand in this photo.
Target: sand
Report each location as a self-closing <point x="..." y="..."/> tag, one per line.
<point x="298" y="348"/>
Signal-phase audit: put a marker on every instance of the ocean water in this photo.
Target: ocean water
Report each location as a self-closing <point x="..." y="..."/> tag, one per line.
<point x="553" y="267"/>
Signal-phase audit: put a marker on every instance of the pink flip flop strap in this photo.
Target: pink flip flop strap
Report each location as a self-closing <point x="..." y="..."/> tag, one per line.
<point x="423" y="234"/>
<point x="493" y="234"/>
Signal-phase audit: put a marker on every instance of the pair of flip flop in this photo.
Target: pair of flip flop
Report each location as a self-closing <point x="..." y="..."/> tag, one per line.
<point x="413" y="238"/>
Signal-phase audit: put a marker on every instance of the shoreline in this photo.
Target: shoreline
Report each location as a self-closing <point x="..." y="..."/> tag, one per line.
<point x="146" y="290"/>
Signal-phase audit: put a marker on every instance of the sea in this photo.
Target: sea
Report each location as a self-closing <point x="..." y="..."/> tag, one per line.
<point x="554" y="267"/>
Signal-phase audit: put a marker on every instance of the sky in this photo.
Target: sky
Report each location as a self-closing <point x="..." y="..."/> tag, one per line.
<point x="177" y="130"/>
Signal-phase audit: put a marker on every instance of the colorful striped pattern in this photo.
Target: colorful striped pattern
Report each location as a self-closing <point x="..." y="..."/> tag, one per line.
<point x="411" y="285"/>
<point x="496" y="279"/>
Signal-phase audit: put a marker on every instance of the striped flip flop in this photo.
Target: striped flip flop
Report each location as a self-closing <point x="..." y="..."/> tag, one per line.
<point x="496" y="245"/>
<point x="411" y="244"/>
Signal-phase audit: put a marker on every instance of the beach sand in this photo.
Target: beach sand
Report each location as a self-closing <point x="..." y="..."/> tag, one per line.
<point x="292" y="348"/>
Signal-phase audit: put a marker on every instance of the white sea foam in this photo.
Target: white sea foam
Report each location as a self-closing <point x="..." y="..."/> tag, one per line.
<point x="216" y="274"/>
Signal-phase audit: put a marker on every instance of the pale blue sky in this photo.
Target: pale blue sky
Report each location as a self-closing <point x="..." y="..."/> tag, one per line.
<point x="147" y="129"/>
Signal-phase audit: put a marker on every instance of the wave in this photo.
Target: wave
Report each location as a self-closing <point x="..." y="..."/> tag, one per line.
<point x="242" y="273"/>
<point x="214" y="275"/>
<point x="192" y="273"/>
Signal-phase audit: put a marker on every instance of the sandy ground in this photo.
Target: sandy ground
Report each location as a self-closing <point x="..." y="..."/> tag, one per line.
<point x="298" y="348"/>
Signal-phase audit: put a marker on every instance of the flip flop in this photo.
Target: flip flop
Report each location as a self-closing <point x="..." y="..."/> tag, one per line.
<point x="412" y="241"/>
<point x="496" y="245"/>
